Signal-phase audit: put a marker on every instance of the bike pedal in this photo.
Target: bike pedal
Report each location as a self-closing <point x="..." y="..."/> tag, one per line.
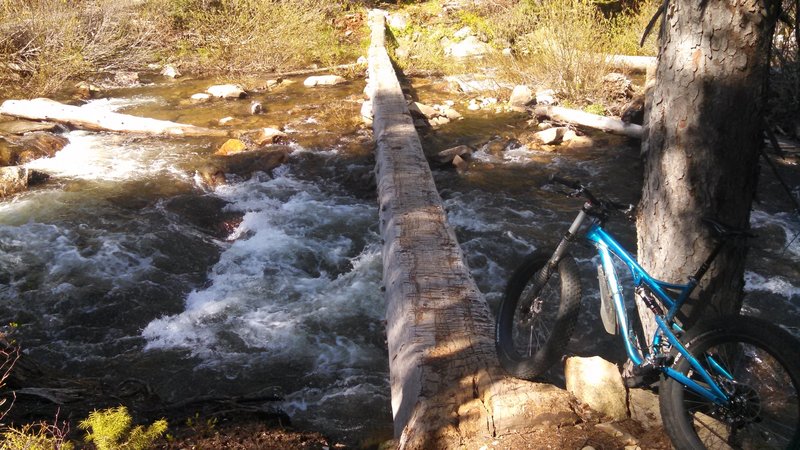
<point x="641" y="376"/>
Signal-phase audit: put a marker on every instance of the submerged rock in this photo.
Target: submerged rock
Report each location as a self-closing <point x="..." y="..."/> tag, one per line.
<point x="265" y="136"/>
<point x="243" y="164"/>
<point x="228" y="91"/>
<point x="324" y="80"/>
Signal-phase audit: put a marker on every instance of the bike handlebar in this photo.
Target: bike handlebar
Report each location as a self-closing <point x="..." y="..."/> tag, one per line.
<point x="582" y="190"/>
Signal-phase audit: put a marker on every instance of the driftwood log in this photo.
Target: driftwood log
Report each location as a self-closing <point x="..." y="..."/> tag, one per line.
<point x="607" y="124"/>
<point x="634" y="63"/>
<point x="42" y="109"/>
<point x="447" y="387"/>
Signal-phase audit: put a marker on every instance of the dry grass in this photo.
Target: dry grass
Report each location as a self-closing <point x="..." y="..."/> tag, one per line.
<point x="43" y="43"/>
<point x="46" y="43"/>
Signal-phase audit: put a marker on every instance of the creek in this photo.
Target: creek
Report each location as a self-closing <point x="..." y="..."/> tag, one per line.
<point x="126" y="266"/>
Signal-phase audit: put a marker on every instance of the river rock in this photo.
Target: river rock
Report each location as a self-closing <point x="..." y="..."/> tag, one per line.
<point x="200" y="97"/>
<point x="170" y="71"/>
<point x="126" y="79"/>
<point x="244" y="164"/>
<point x="25" y="126"/>
<point x="617" y="86"/>
<point x="421" y="110"/>
<point x="266" y="136"/>
<point x="229" y="91"/>
<point x="462" y="151"/>
<point x="598" y="384"/>
<point x="644" y="407"/>
<point x="550" y="136"/>
<point x="471" y="46"/>
<point x="32" y="146"/>
<point x="397" y="21"/>
<point x="323" y="80"/>
<point x="463" y="33"/>
<point x="229" y="121"/>
<point x="85" y="90"/>
<point x="521" y="97"/>
<point x="256" y="107"/>
<point x="366" y="112"/>
<point x="231" y="147"/>
<point x="15" y="179"/>
<point x="546" y="97"/>
<point x="469" y="84"/>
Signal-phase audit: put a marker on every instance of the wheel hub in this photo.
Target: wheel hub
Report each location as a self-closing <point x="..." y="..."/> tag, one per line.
<point x="744" y="405"/>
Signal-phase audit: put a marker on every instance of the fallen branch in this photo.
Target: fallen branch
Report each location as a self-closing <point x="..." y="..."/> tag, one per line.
<point x="42" y="109"/>
<point x="607" y="124"/>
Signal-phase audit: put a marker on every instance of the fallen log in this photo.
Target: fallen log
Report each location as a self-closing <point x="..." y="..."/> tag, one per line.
<point x="42" y="109"/>
<point x="634" y="63"/>
<point x="607" y="124"/>
<point x="446" y="387"/>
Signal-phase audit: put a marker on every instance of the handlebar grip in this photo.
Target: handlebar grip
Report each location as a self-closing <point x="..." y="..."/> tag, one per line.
<point x="568" y="183"/>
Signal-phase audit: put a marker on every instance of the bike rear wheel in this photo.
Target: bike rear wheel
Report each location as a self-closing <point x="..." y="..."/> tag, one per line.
<point x="536" y="319"/>
<point x="764" y="408"/>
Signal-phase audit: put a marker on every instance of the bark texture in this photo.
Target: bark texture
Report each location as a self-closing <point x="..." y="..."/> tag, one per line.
<point x="702" y="139"/>
<point x="438" y="325"/>
<point x="86" y="119"/>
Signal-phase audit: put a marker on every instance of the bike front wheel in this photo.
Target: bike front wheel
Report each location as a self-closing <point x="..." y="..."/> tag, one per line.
<point x="537" y="315"/>
<point x="762" y="383"/>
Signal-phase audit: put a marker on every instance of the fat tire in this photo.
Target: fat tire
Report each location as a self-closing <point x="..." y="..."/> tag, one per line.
<point x="569" y="290"/>
<point x="759" y="334"/>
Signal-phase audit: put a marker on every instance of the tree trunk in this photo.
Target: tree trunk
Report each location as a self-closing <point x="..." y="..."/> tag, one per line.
<point x="702" y="140"/>
<point x="87" y="119"/>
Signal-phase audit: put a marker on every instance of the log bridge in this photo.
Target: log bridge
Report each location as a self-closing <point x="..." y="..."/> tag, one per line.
<point x="446" y="385"/>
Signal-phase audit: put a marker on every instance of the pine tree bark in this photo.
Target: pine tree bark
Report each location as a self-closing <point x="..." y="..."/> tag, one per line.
<point x="702" y="140"/>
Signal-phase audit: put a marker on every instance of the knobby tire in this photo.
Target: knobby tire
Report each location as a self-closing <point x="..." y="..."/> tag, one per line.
<point x="528" y="344"/>
<point x="765" y="363"/>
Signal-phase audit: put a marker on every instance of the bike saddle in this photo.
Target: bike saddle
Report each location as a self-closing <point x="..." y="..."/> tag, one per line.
<point x="722" y="230"/>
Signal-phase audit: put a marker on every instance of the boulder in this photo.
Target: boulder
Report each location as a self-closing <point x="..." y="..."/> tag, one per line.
<point x="397" y="21"/>
<point x="463" y="33"/>
<point x="231" y="147"/>
<point x="644" y="408"/>
<point x="422" y="111"/>
<point x="86" y="91"/>
<point x="471" y="46"/>
<point x="229" y="91"/>
<point x="598" y="384"/>
<point x="265" y="136"/>
<point x="366" y="112"/>
<point x="201" y="97"/>
<point x="462" y="151"/>
<point x="25" y="126"/>
<point x="256" y="107"/>
<point x="13" y="179"/>
<point x="324" y="80"/>
<point x="245" y="164"/>
<point x="170" y="71"/>
<point x="229" y="121"/>
<point x="550" y="136"/>
<point x="546" y="97"/>
<point x="126" y="79"/>
<point x="32" y="146"/>
<point x="521" y="97"/>
<point x="460" y="163"/>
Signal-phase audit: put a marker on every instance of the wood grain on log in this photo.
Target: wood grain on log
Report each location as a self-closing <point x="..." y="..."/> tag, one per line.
<point x="447" y="389"/>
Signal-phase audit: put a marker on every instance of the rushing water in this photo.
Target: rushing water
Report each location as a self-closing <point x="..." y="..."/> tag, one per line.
<point x="125" y="265"/>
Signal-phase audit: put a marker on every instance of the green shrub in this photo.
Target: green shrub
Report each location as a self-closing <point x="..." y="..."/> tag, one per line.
<point x="110" y="429"/>
<point x="39" y="436"/>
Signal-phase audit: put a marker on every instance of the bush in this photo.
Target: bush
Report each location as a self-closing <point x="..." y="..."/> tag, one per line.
<point x="43" y="43"/>
<point x="110" y="429"/>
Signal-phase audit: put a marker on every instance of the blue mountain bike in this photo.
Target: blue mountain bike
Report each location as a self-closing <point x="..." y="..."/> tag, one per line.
<point x="730" y="383"/>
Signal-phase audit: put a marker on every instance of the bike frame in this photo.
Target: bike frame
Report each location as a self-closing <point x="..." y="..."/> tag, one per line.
<point x="607" y="246"/>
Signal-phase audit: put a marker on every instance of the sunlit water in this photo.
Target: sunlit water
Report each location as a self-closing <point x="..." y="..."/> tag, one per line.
<point x="117" y="268"/>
